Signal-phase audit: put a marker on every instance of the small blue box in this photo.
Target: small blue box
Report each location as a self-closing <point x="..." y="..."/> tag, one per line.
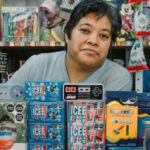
<point x="43" y="91"/>
<point x="46" y="146"/>
<point x="51" y="112"/>
<point x="46" y="132"/>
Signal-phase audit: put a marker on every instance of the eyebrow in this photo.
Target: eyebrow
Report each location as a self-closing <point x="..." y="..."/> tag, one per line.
<point x="87" y="24"/>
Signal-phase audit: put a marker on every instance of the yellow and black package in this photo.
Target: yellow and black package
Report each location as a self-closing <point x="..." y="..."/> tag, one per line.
<point x="121" y="118"/>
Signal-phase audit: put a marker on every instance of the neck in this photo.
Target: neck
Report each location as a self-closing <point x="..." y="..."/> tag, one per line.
<point x="76" y="72"/>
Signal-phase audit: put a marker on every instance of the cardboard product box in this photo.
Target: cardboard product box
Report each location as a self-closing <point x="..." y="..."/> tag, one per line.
<point x="85" y="111"/>
<point x="46" y="146"/>
<point x="85" y="135"/>
<point x="50" y="112"/>
<point x="43" y="91"/>
<point x="20" y="24"/>
<point x="46" y="132"/>
<point x="89" y="146"/>
<point x="143" y="116"/>
<point x="121" y="118"/>
<point x="80" y="91"/>
<point x="125" y="148"/>
<point x="13" y="125"/>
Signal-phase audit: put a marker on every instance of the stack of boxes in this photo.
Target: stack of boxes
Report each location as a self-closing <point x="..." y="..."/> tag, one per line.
<point x="46" y="115"/>
<point x="85" y="116"/>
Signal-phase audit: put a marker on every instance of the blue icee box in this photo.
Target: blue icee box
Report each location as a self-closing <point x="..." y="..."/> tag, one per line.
<point x="46" y="132"/>
<point x="46" y="146"/>
<point x="43" y="91"/>
<point x="51" y="112"/>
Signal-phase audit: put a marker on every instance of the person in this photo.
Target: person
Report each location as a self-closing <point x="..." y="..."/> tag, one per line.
<point x="89" y="32"/>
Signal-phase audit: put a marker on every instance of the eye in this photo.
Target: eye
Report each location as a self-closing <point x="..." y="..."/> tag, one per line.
<point x="104" y="37"/>
<point x="84" y="30"/>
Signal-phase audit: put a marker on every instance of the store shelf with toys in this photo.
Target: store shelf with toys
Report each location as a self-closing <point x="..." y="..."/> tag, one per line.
<point x="59" y="117"/>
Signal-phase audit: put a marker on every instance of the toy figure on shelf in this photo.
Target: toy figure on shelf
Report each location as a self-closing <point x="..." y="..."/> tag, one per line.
<point x="51" y="25"/>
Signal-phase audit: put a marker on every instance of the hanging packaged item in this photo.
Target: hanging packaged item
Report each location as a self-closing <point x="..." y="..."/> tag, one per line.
<point x="137" y="59"/>
<point x="20" y="24"/>
<point x="127" y="19"/>
<point x="137" y="1"/>
<point x="142" y="20"/>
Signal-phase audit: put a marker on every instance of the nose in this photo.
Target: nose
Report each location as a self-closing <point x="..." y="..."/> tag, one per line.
<point x="93" y="39"/>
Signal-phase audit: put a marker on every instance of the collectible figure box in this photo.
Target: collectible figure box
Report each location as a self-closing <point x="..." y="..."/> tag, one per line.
<point x="50" y="112"/>
<point x="143" y="116"/>
<point x="43" y="91"/>
<point x="20" y="24"/>
<point x="13" y="125"/>
<point x="85" y="111"/>
<point x="121" y="120"/>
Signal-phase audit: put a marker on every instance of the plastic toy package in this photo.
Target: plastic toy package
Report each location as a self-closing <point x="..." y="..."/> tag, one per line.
<point x="142" y="20"/>
<point x="121" y="120"/>
<point x="137" y="59"/>
<point x="136" y="1"/>
<point x="127" y="18"/>
<point x="20" y="24"/>
<point x="13" y="125"/>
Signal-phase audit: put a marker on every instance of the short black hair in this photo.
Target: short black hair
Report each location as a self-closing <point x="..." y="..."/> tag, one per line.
<point x="100" y="8"/>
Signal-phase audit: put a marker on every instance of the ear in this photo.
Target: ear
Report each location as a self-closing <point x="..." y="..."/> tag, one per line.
<point x="66" y="38"/>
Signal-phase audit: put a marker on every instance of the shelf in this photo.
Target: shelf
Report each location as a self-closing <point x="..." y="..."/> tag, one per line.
<point x="62" y="43"/>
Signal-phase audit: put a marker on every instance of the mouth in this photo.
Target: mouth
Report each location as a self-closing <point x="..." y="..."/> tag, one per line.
<point x="90" y="51"/>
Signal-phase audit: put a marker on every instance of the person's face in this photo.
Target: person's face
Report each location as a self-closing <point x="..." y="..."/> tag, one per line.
<point x="90" y="41"/>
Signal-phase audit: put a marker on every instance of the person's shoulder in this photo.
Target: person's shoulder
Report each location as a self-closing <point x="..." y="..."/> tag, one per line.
<point x="116" y="68"/>
<point x="47" y="56"/>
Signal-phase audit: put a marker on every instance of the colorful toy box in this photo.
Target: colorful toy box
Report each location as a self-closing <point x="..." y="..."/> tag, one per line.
<point x="50" y="112"/>
<point x="13" y="125"/>
<point x="121" y="120"/>
<point x="43" y="91"/>
<point x="86" y="124"/>
<point x="46" y="146"/>
<point x="85" y="111"/>
<point x="46" y="132"/>
<point x="20" y="24"/>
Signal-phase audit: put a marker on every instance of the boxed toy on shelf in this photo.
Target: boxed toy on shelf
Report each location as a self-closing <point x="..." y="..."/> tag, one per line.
<point x="20" y="24"/>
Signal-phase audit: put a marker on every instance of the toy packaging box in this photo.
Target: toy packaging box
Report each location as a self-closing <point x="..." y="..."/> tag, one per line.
<point x="50" y="112"/>
<point x="121" y="120"/>
<point x="20" y="24"/>
<point x="143" y="116"/>
<point x="13" y="125"/>
<point x="43" y="91"/>
<point x="85" y="111"/>
<point x="83" y="91"/>
<point x="85" y="124"/>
